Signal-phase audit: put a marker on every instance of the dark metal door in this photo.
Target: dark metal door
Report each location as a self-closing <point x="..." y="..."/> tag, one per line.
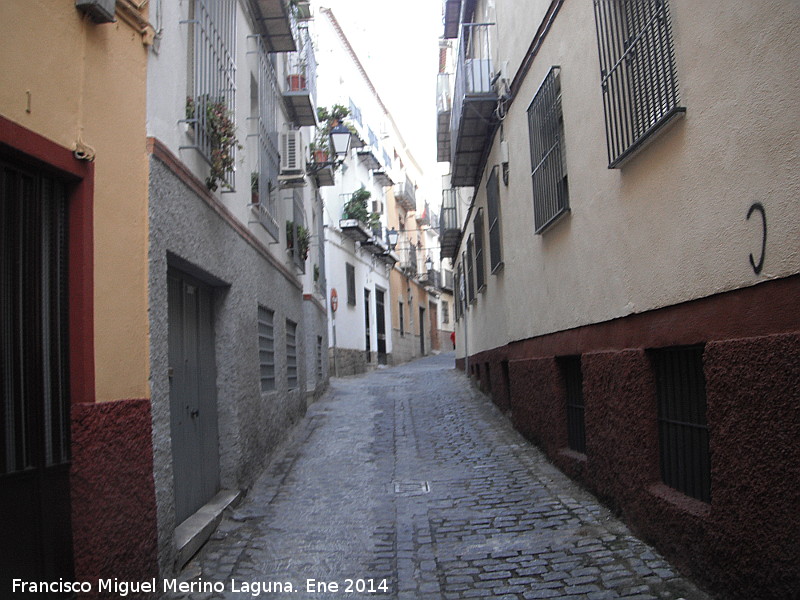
<point x="380" y="318"/>
<point x="193" y="397"/>
<point x="366" y="324"/>
<point x="36" y="538"/>
<point x="422" y="330"/>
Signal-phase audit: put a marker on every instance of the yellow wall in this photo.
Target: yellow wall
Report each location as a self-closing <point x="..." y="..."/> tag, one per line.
<point x="87" y="82"/>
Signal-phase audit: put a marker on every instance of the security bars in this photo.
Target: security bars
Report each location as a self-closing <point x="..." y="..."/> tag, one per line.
<point x="548" y="160"/>
<point x="266" y="348"/>
<point x="683" y="429"/>
<point x="493" y="210"/>
<point x="268" y="153"/>
<point x="637" y="67"/>
<point x="213" y="75"/>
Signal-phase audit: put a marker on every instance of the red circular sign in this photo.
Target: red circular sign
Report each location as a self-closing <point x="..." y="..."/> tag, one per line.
<point x="334" y="300"/>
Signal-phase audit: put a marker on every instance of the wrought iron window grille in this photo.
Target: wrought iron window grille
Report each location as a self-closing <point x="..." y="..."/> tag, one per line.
<point x="548" y="158"/>
<point x="638" y="76"/>
<point x="683" y="428"/>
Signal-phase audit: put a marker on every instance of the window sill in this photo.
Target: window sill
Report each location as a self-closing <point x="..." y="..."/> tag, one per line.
<point x="649" y="136"/>
<point x="679" y="500"/>
<point x="574" y="455"/>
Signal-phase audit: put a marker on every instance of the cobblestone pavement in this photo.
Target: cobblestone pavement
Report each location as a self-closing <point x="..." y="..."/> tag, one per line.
<point x="409" y="476"/>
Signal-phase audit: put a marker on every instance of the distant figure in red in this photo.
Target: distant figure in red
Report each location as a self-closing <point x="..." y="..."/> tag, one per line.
<point x="453" y="339"/>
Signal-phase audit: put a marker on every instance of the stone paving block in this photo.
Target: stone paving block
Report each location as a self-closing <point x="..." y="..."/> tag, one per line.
<point x="497" y="521"/>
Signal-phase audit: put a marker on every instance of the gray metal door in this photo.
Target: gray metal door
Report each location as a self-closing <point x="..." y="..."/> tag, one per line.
<point x="193" y="397"/>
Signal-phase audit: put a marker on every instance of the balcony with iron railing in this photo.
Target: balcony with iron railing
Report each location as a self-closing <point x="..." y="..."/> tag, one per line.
<point x="449" y="227"/>
<point x="444" y="107"/>
<point x="300" y="89"/>
<point x="276" y="20"/>
<point x="405" y="194"/>
<point x="473" y="120"/>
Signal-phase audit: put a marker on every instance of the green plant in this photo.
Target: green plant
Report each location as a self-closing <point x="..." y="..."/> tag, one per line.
<point x="328" y="119"/>
<point x="316" y="273"/>
<point x="356" y="206"/>
<point x="220" y="131"/>
<point x="303" y="238"/>
<point x="254" y="182"/>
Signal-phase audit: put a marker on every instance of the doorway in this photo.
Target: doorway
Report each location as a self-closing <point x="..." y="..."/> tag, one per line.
<point x="34" y="437"/>
<point x="193" y="397"/>
<point x="380" y="319"/>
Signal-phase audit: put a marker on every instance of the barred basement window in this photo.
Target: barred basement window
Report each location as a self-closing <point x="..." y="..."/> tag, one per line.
<point x="573" y="382"/>
<point x="266" y="348"/>
<point x="637" y="69"/>
<point x="351" y="284"/>
<point x="493" y="209"/>
<point x="548" y="159"/>
<point x="470" y="269"/>
<point x="291" y="354"/>
<point x="683" y="430"/>
<point x="402" y="320"/>
<point x="480" y="275"/>
<point x="319" y="358"/>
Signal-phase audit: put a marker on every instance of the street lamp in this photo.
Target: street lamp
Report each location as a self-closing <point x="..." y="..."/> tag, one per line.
<point x="428" y="264"/>
<point x="340" y="141"/>
<point x="392" y="236"/>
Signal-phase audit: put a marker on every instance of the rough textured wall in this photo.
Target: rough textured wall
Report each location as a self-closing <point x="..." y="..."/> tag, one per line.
<point x="112" y="491"/>
<point x="190" y="233"/>
<point x="753" y="390"/>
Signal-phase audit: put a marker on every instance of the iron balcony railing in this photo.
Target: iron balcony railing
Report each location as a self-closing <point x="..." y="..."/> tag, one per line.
<point x="405" y="194"/>
<point x="444" y="95"/>
<point x="473" y="86"/>
<point x="301" y="69"/>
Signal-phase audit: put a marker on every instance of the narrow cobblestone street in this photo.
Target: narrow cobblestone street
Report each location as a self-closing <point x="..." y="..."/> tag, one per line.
<point x="409" y="476"/>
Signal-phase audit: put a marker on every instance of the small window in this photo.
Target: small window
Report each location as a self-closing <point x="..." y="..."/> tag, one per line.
<point x="637" y="70"/>
<point x="493" y="210"/>
<point x="351" y="284"/>
<point x="573" y="383"/>
<point x="470" y="269"/>
<point x="548" y="159"/>
<point x="402" y="320"/>
<point x="266" y="348"/>
<point x="291" y="354"/>
<point x="445" y="311"/>
<point x="319" y="359"/>
<point x="682" y="425"/>
<point x="480" y="271"/>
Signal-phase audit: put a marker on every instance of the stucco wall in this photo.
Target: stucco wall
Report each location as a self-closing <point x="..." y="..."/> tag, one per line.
<point x="189" y="234"/>
<point x="670" y="225"/>
<point x="87" y="83"/>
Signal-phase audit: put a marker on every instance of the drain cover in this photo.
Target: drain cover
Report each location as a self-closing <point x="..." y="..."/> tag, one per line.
<point x="411" y="487"/>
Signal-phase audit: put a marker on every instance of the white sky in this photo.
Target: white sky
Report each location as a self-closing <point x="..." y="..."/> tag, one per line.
<point x="398" y="44"/>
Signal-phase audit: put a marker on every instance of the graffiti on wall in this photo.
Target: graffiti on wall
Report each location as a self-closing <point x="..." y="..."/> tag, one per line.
<point x="759" y="208"/>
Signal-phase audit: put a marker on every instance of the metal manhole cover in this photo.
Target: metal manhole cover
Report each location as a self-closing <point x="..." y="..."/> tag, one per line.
<point x="411" y="487"/>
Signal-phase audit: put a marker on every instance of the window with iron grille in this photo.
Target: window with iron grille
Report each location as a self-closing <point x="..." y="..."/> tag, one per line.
<point x="548" y="158"/>
<point x="264" y="184"/>
<point x="298" y="224"/>
<point x="212" y="79"/>
<point x="493" y="210"/>
<point x="402" y="320"/>
<point x="573" y="383"/>
<point x="291" y="354"/>
<point x="457" y="292"/>
<point x="266" y="348"/>
<point x="480" y="269"/>
<point x="637" y="69"/>
<point x="683" y="429"/>
<point x="470" y="268"/>
<point x="319" y="358"/>
<point x="445" y="311"/>
<point x="351" y="284"/>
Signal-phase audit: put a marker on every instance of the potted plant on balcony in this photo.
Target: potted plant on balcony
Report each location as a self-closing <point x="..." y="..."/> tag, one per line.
<point x="356" y="208"/>
<point x="254" y="176"/>
<point x="220" y="133"/>
<point x="328" y="118"/>
<point x="303" y="239"/>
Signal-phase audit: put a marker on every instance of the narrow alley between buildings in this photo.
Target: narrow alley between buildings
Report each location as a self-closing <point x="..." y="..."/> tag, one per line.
<point x="407" y="483"/>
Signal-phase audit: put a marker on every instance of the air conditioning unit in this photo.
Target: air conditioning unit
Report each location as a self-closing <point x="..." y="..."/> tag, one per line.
<point x="293" y="159"/>
<point x="101" y="11"/>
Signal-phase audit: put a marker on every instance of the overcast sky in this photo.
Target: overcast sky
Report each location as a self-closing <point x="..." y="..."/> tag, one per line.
<point x="398" y="43"/>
